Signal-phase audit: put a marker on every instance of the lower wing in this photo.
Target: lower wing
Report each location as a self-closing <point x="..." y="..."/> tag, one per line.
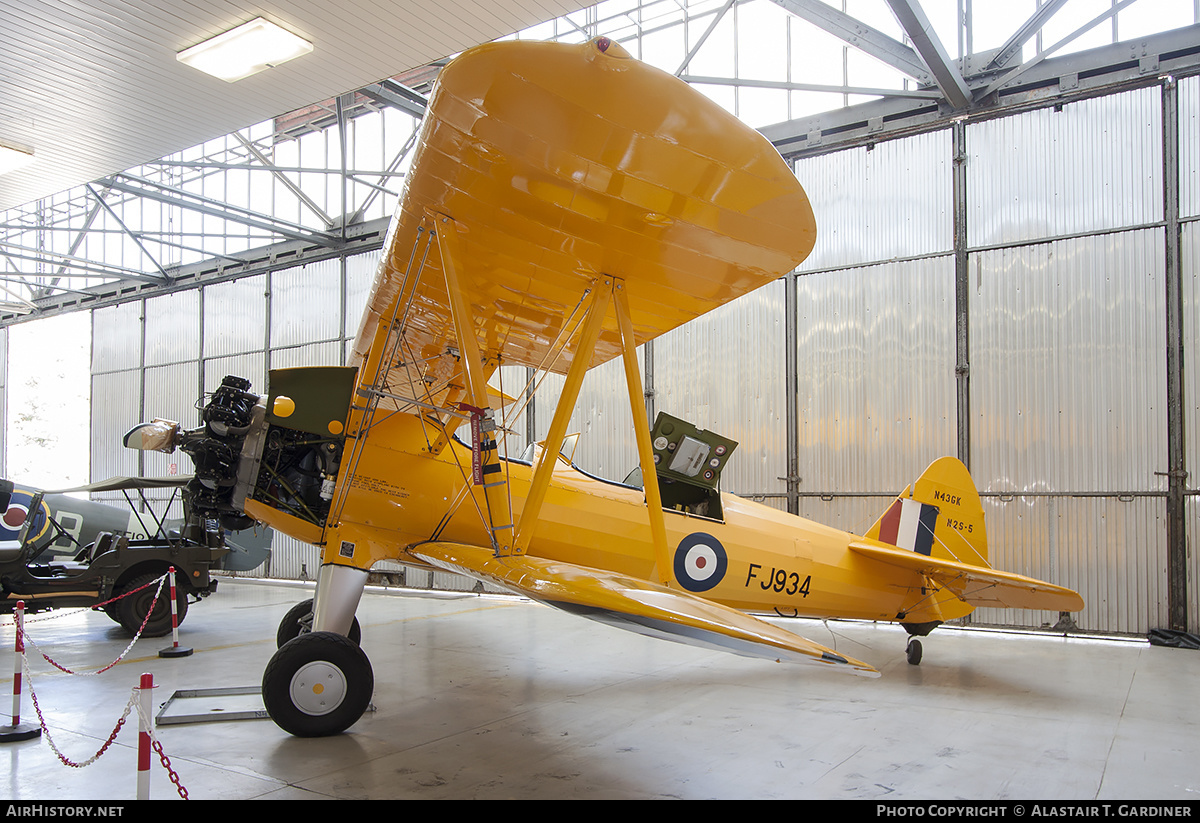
<point x="977" y="585"/>
<point x="636" y="605"/>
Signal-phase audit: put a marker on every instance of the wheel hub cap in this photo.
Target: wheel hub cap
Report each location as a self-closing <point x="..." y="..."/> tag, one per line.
<point x="318" y="688"/>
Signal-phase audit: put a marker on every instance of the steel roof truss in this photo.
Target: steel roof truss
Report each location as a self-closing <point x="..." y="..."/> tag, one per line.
<point x="287" y="183"/>
<point x="861" y="36"/>
<point x="215" y="208"/>
<point x="912" y="18"/>
<point x="398" y="96"/>
<point x="692" y="53"/>
<point x="1022" y="35"/>
<point x="384" y="177"/>
<point x="132" y="235"/>
<point x="1010" y="76"/>
<point x="777" y="84"/>
<point x="86" y="268"/>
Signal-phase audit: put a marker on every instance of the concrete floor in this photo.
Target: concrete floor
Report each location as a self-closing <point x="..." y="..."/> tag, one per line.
<point x="484" y="697"/>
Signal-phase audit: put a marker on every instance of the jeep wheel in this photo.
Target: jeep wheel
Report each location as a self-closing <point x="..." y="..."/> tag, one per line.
<point x="131" y="610"/>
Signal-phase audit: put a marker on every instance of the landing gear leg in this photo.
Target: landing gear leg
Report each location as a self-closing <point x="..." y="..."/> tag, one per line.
<point x="913" y="652"/>
<point x="339" y="588"/>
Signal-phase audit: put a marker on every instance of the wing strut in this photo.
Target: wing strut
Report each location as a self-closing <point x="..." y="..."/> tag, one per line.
<point x="498" y="502"/>
<point x="379" y="366"/>
<point x="641" y="428"/>
<point x="610" y="289"/>
<point x="601" y="292"/>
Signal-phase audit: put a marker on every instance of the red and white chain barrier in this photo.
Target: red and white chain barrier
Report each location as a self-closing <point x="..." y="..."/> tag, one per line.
<point x="18" y="730"/>
<point x="175" y="650"/>
<point x="16" y="711"/>
<point x="139" y="699"/>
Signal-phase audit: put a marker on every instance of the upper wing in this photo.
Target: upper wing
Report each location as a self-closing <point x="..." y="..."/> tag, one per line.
<point x="636" y="605"/>
<point x="977" y="585"/>
<point x="558" y="164"/>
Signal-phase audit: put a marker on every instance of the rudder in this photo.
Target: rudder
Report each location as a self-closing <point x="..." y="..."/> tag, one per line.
<point x="939" y="515"/>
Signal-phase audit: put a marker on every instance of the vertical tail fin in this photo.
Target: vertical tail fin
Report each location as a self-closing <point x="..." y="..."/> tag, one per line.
<point x="939" y="515"/>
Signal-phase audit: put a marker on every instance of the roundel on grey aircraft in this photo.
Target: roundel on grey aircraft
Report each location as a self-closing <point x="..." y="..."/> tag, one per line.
<point x="700" y="562"/>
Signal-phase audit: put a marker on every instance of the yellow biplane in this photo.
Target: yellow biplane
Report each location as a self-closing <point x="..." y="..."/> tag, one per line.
<point x="566" y="204"/>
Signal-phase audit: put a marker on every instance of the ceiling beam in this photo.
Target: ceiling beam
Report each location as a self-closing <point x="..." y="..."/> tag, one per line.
<point x="287" y="183"/>
<point x="692" y="53"/>
<point x="930" y="94"/>
<point x="1011" y="76"/>
<point x="378" y="187"/>
<point x="1050" y="82"/>
<point x="215" y="208"/>
<point x="861" y="36"/>
<point x="1022" y="35"/>
<point x="362" y="238"/>
<point x="69" y="263"/>
<point x="912" y="18"/>
<point x="137" y="241"/>
<point x="398" y="96"/>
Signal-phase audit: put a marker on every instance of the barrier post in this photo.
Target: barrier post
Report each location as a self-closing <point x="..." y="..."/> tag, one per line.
<point x="16" y="731"/>
<point x="147" y="708"/>
<point x="174" y="650"/>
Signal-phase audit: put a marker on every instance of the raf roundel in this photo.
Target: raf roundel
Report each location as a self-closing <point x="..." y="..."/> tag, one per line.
<point x="700" y="562"/>
<point x="15" y="516"/>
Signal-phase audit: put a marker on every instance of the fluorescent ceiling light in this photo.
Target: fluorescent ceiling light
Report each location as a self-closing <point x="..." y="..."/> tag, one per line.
<point x="244" y="51"/>
<point x="13" y="157"/>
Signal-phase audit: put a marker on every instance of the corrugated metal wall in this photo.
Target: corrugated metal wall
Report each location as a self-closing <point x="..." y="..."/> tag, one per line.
<point x="1189" y="210"/>
<point x="875" y="326"/>
<point x="876" y="374"/>
<point x="874" y="204"/>
<point x="601" y="418"/>
<point x="725" y="372"/>
<point x="1190" y="266"/>
<point x="1068" y="342"/>
<point x="1090" y="165"/>
<point x="1067" y="399"/>
<point x="1067" y="323"/>
<point x="1066" y="290"/>
<point x="3" y="402"/>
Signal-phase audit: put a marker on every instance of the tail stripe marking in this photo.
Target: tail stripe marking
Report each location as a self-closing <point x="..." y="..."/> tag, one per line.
<point x="890" y="524"/>
<point x="908" y="524"/>
<point x="924" y="538"/>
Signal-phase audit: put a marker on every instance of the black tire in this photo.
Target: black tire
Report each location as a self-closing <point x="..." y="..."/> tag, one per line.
<point x="298" y="621"/>
<point x="913" y="652"/>
<point x="131" y="610"/>
<point x="317" y="685"/>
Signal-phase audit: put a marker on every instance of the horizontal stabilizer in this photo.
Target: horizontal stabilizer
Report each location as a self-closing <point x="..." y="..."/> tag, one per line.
<point x="977" y="585"/>
<point x="636" y="605"/>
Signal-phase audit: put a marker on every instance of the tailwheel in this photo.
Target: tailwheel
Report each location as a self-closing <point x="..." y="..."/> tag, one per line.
<point x="913" y="652"/>
<point x="318" y="684"/>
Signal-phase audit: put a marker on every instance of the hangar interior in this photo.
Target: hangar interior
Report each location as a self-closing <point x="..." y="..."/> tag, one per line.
<point x="1005" y="271"/>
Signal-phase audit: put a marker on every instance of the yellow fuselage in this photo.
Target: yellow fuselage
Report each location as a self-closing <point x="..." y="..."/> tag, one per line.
<point x="401" y="495"/>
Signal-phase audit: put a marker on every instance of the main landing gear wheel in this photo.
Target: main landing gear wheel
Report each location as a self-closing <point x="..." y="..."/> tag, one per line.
<point x="913" y="652"/>
<point x="299" y="620"/>
<point x="318" y="684"/>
